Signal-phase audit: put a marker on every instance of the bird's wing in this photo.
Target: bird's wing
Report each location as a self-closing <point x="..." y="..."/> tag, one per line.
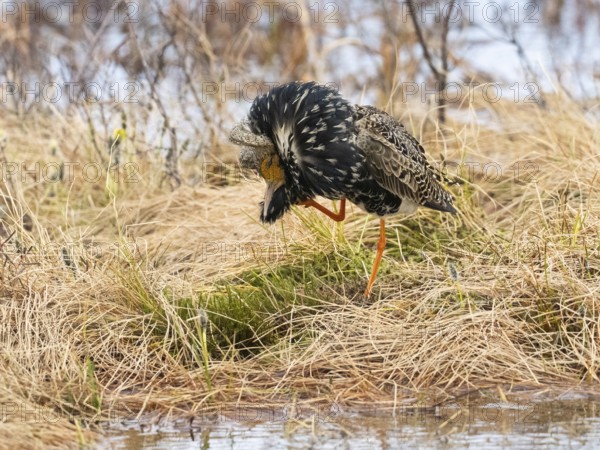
<point x="397" y="161"/>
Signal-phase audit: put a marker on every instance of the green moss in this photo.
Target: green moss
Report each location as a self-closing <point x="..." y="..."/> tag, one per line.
<point x="250" y="311"/>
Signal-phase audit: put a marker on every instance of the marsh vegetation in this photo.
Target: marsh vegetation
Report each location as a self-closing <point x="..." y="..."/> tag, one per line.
<point x="136" y="278"/>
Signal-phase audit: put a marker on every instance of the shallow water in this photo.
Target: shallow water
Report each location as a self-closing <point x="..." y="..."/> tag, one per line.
<point x="572" y="422"/>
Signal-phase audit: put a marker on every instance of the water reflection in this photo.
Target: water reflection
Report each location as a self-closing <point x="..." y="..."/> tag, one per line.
<point x="573" y="423"/>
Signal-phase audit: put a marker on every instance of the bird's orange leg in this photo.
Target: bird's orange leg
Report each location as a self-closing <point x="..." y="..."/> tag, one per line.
<point x="378" y="255"/>
<point x="337" y="217"/>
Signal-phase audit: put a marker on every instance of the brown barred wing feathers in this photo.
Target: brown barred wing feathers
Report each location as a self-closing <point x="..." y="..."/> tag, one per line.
<point x="397" y="161"/>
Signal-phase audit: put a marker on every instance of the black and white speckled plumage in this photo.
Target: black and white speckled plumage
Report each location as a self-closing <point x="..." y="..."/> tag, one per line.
<point x="326" y="146"/>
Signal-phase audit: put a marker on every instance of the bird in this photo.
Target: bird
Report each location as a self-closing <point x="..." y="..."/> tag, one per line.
<point x="305" y="140"/>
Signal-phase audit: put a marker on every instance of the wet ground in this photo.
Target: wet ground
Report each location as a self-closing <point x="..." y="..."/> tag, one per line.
<point x="532" y="422"/>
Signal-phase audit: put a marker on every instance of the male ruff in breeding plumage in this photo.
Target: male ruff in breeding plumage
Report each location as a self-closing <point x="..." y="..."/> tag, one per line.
<point x="305" y="140"/>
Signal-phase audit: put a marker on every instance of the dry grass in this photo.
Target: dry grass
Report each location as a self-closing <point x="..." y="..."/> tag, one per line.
<point x="128" y="298"/>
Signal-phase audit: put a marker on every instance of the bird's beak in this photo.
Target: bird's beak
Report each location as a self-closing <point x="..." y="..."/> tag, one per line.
<point x="272" y="198"/>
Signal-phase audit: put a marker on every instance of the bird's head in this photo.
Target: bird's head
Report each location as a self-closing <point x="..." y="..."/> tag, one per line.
<point x="242" y="134"/>
<point x="258" y="153"/>
<point x="255" y="147"/>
